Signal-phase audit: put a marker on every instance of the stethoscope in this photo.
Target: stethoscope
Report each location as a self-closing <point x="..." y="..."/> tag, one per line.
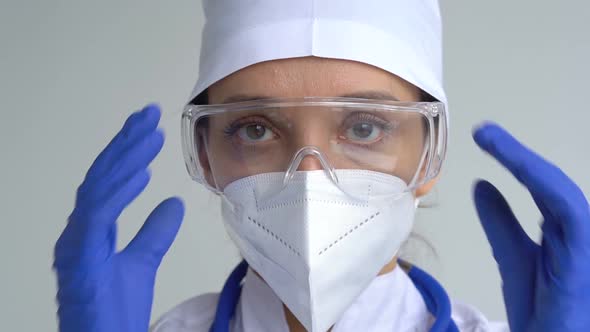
<point x="434" y="296"/>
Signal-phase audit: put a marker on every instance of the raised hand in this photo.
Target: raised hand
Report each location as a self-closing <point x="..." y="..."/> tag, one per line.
<point x="546" y="287"/>
<point x="100" y="289"/>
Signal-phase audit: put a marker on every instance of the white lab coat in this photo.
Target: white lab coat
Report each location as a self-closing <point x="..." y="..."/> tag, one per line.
<point x="390" y="303"/>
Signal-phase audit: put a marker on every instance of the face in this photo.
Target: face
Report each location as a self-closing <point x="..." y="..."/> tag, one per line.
<point x="351" y="134"/>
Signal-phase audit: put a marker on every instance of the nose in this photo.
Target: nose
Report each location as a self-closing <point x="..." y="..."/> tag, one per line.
<point x="309" y="158"/>
<point x="309" y="163"/>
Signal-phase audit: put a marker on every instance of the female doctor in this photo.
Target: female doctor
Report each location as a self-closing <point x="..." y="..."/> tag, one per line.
<point x="320" y="124"/>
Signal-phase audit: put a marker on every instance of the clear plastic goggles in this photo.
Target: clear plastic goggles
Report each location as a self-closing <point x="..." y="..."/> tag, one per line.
<point x="228" y="142"/>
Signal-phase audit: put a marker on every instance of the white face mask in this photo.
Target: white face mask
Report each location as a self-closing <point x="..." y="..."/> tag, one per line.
<point x="317" y="247"/>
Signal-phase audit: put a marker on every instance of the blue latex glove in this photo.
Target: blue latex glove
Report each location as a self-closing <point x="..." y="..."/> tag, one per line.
<point x="101" y="289"/>
<point x="546" y="287"/>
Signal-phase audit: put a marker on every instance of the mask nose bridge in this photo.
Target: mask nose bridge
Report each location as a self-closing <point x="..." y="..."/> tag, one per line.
<point x="313" y="152"/>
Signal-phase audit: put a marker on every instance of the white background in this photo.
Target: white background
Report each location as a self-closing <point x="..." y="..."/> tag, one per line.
<point x="71" y="71"/>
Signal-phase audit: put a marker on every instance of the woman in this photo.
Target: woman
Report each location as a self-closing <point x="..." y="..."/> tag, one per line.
<point x="320" y="125"/>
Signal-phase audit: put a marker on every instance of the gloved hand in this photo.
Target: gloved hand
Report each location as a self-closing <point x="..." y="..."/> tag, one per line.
<point x="546" y="287"/>
<point x="101" y="290"/>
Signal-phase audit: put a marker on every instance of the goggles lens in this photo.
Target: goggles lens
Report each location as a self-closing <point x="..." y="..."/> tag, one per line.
<point x="227" y="143"/>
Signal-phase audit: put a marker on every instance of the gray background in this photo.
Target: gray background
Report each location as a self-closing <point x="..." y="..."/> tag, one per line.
<point x="71" y="71"/>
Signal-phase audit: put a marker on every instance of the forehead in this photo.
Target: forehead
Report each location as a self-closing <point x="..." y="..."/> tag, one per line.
<point x="310" y="76"/>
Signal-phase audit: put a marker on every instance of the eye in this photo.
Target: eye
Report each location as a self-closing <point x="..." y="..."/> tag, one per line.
<point x="363" y="131"/>
<point x="255" y="133"/>
<point x="365" y="128"/>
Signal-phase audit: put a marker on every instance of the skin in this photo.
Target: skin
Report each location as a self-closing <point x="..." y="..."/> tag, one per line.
<point x="299" y="77"/>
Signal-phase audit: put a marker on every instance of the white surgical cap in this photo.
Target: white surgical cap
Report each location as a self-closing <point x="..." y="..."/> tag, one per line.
<point x="403" y="37"/>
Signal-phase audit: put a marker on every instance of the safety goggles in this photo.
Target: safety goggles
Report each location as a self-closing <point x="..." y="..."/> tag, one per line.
<point x="228" y="142"/>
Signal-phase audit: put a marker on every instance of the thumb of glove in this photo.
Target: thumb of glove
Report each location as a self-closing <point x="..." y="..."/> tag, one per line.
<point x="513" y="250"/>
<point x="158" y="232"/>
<point x="508" y="240"/>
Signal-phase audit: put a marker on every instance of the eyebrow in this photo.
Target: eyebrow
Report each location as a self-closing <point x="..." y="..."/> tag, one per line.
<point x="241" y="98"/>
<point x="379" y="95"/>
<point x="369" y="94"/>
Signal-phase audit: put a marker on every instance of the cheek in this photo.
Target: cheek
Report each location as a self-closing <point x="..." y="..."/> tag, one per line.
<point x="411" y="152"/>
<point x="226" y="167"/>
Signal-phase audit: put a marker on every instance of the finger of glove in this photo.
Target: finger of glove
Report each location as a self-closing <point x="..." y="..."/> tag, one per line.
<point x="547" y="183"/>
<point x="155" y="237"/>
<point x="90" y="235"/>
<point x="136" y="126"/>
<point x="129" y="162"/>
<point x="513" y="250"/>
<point x="101" y="204"/>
